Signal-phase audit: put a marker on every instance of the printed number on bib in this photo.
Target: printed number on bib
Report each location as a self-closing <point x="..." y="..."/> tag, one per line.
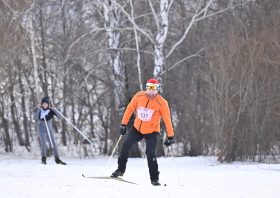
<point x="145" y="114"/>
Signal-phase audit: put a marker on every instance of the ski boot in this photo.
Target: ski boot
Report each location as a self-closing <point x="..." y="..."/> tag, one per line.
<point x="44" y="160"/>
<point x="155" y="183"/>
<point x="117" y="173"/>
<point x="58" y="161"/>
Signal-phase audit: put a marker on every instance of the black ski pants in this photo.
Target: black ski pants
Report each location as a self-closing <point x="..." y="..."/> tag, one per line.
<point x="133" y="137"/>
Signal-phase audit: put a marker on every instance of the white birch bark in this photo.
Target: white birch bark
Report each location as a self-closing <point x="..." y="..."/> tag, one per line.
<point x="112" y="19"/>
<point x="162" y="22"/>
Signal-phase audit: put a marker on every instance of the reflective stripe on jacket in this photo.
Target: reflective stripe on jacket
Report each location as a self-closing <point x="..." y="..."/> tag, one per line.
<point x="158" y="105"/>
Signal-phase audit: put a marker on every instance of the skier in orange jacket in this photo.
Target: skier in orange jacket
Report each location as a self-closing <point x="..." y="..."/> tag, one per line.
<point x="150" y="106"/>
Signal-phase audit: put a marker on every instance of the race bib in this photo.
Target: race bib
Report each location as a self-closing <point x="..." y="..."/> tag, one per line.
<point x="145" y="114"/>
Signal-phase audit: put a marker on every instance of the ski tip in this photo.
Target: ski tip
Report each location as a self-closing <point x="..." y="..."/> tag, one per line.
<point x="83" y="175"/>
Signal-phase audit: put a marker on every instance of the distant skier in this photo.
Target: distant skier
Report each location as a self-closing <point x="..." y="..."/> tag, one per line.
<point x="150" y="106"/>
<point x="49" y="111"/>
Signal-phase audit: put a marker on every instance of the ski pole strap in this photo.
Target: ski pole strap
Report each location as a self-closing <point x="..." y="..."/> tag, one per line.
<point x="74" y="126"/>
<point x="47" y="127"/>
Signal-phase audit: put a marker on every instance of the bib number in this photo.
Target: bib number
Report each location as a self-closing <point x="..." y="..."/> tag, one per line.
<point x="145" y="114"/>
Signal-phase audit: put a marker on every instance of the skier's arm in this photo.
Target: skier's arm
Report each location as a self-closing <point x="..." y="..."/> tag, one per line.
<point x="129" y="110"/>
<point x="56" y="113"/>
<point x="36" y="114"/>
<point x="167" y="120"/>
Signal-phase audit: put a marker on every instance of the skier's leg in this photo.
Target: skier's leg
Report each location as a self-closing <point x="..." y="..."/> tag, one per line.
<point x="42" y="135"/>
<point x="42" y="132"/>
<point x="133" y="136"/>
<point x="55" y="151"/>
<point x="151" y="145"/>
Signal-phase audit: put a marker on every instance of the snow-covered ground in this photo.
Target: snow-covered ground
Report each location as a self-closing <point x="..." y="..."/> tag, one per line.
<point x="200" y="177"/>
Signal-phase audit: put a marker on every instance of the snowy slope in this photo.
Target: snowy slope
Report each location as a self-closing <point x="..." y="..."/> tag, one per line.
<point x="200" y="176"/>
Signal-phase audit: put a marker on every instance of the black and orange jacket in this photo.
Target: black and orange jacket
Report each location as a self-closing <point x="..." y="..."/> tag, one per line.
<point x="160" y="108"/>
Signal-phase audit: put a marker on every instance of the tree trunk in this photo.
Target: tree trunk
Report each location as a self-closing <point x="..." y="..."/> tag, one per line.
<point x="44" y="79"/>
<point x="105" y="149"/>
<point x="160" y="40"/>
<point x="64" y="111"/>
<point x="112" y="19"/>
<point x="15" y="122"/>
<point x="7" y="139"/>
<point x="32" y="37"/>
<point x="162" y="20"/>
<point x="26" y="132"/>
<point x="65" y="77"/>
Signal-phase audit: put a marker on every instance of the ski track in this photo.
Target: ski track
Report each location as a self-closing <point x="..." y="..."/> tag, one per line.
<point x="200" y="176"/>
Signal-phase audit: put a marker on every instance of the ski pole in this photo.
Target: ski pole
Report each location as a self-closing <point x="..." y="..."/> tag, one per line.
<point x="74" y="126"/>
<point x="47" y="127"/>
<point x="112" y="155"/>
<point x="174" y="165"/>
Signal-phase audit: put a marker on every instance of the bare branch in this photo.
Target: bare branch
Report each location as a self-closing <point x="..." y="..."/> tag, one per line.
<point x="181" y="40"/>
<point x="205" y="8"/>
<point x="120" y="49"/>
<point x="196" y="20"/>
<point x="8" y="6"/>
<point x="62" y="4"/>
<point x="170" y="5"/>
<point x="154" y="13"/>
<point x="137" y="17"/>
<point x="210" y="15"/>
<point x="136" y="26"/>
<point x="194" y="55"/>
<point x="69" y="50"/>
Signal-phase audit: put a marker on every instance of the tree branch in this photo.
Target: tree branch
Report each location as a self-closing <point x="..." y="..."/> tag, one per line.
<point x="97" y="29"/>
<point x="154" y="13"/>
<point x="196" y="20"/>
<point x="136" y="26"/>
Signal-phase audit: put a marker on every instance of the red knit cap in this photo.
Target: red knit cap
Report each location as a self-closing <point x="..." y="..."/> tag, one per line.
<point x="153" y="81"/>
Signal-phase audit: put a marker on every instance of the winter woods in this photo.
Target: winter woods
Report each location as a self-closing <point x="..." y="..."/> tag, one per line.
<point x="217" y="62"/>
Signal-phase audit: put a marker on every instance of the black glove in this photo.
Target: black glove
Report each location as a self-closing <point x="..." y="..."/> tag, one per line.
<point x="123" y="129"/>
<point x="169" y="141"/>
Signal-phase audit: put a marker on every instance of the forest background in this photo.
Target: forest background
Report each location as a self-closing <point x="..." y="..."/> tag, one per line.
<point x="218" y="62"/>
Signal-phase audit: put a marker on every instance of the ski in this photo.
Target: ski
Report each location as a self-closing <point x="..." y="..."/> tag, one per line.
<point x="113" y="178"/>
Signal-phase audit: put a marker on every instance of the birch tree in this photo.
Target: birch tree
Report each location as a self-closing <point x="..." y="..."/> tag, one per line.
<point x="112" y="17"/>
<point x="162" y="30"/>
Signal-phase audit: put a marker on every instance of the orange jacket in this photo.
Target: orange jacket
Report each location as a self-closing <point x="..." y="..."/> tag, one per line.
<point x="155" y="108"/>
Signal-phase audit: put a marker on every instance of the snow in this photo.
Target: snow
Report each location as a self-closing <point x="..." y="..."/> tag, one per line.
<point x="200" y="176"/>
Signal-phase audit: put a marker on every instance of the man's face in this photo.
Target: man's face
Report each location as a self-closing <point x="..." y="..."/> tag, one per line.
<point x="151" y="93"/>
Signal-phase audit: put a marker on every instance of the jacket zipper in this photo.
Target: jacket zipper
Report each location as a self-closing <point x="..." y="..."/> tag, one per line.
<point x="142" y="120"/>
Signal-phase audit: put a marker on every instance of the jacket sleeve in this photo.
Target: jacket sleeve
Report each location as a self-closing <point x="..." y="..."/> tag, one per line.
<point x="129" y="110"/>
<point x="167" y="119"/>
<point x="37" y="114"/>
<point x="56" y="113"/>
